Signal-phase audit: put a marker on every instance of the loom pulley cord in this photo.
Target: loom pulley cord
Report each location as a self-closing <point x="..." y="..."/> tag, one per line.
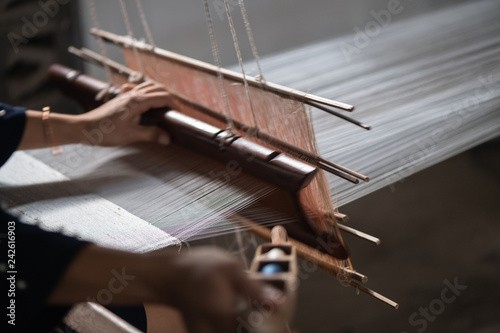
<point x="240" y="61"/>
<point x="216" y="55"/>
<point x="130" y="33"/>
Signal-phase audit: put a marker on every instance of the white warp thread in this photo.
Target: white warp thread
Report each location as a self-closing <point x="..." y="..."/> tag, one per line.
<point x="178" y="191"/>
<point x="429" y="87"/>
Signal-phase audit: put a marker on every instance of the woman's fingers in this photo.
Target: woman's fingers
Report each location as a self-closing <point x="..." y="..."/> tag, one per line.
<point x="150" y="86"/>
<point x="127" y="87"/>
<point x="153" y="88"/>
<point x="139" y="103"/>
<point x="153" y="134"/>
<point x="145" y="84"/>
<point x="145" y="96"/>
<point x="163" y="138"/>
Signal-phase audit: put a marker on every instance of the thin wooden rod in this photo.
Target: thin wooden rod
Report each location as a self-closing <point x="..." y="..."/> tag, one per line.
<point x="374" y="294"/>
<point x="340" y="115"/>
<point x="303" y="97"/>
<point x="323" y="260"/>
<point x="340" y="217"/>
<point x="300" y="153"/>
<point x="337" y="173"/>
<point x="360" y="277"/>
<point x="360" y="234"/>
<point x="344" y="169"/>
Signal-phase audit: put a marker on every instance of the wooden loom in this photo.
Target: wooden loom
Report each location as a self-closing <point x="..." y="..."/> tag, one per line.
<point x="316" y="235"/>
<point x="432" y="69"/>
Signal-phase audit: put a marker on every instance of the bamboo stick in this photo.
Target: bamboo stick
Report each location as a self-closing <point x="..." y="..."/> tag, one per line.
<point x="304" y="97"/>
<point x="307" y="156"/>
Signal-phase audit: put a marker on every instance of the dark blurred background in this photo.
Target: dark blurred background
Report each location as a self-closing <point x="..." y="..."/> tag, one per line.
<point x="438" y="227"/>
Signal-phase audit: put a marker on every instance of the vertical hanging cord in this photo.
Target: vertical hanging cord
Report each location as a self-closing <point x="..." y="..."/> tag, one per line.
<point x="251" y="40"/>
<point x="216" y="55"/>
<point x="145" y="23"/>
<point x="102" y="46"/>
<point x="240" y="60"/>
<point x="151" y="41"/>
<point x="242" y="248"/>
<point x="130" y="33"/>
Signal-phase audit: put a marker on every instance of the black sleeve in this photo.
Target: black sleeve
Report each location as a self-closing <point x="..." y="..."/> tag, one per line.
<point x="34" y="261"/>
<point x="39" y="258"/>
<point x="12" y="122"/>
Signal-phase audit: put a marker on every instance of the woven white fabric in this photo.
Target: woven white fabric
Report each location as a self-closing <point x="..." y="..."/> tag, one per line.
<point x="42" y="195"/>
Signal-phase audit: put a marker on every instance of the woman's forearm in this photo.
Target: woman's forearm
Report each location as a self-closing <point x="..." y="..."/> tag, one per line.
<point x="205" y="285"/>
<point x="66" y="129"/>
<point x="112" y="277"/>
<point x="114" y="123"/>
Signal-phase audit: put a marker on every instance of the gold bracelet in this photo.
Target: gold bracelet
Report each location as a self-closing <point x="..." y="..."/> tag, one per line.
<point x="48" y="132"/>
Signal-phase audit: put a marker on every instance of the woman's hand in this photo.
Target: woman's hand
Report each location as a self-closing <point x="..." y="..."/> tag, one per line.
<point x="208" y="286"/>
<point x="117" y="121"/>
<point x="112" y="124"/>
<point x="210" y="290"/>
